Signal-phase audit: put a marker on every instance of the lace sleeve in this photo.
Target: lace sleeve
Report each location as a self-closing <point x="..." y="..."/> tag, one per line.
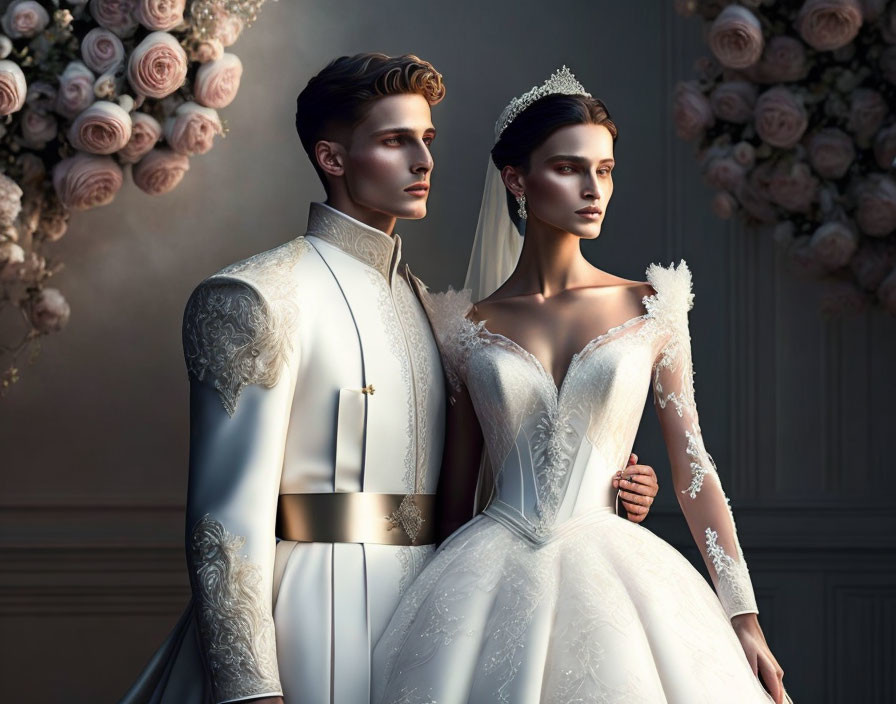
<point x="696" y="481"/>
<point x="232" y="339"/>
<point x="454" y="332"/>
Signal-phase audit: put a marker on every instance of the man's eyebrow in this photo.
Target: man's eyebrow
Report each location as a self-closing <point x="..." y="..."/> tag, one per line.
<point x="402" y="130"/>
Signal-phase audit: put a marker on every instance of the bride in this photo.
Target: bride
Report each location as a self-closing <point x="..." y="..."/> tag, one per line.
<point x="547" y="596"/>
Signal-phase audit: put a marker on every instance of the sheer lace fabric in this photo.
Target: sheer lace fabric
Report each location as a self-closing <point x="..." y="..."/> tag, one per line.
<point x="567" y="603"/>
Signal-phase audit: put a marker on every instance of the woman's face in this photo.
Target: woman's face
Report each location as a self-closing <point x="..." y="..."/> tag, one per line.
<point x="570" y="180"/>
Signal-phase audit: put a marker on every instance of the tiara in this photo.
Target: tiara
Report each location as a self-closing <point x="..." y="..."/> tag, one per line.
<point x="561" y="82"/>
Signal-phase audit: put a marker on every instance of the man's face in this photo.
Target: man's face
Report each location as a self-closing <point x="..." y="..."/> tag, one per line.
<point x="387" y="159"/>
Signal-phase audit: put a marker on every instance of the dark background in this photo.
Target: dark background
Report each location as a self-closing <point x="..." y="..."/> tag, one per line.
<point x="797" y="410"/>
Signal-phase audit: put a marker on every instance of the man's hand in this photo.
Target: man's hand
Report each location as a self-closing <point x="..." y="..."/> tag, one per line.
<point x="637" y="487"/>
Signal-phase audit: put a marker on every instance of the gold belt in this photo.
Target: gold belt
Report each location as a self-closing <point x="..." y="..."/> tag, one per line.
<point x="357" y="517"/>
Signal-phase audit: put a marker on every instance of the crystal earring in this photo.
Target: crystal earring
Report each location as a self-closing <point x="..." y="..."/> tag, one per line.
<point x="521" y="200"/>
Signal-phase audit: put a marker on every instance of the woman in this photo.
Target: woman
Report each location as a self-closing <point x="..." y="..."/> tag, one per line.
<point x="547" y="596"/>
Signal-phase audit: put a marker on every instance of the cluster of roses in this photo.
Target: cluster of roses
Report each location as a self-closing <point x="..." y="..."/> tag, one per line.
<point x="88" y="90"/>
<point x="795" y="116"/>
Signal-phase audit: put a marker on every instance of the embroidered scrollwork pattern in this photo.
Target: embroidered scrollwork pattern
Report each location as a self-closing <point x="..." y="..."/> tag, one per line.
<point x="234" y="335"/>
<point x="236" y="625"/>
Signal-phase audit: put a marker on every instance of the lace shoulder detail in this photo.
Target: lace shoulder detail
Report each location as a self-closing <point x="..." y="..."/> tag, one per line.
<point x="455" y="333"/>
<point x="237" y="629"/>
<point x="238" y="324"/>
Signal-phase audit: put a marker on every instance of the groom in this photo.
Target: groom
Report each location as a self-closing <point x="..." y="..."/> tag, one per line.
<point x="317" y="412"/>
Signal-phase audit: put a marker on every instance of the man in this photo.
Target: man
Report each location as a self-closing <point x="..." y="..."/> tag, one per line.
<point x="317" y="413"/>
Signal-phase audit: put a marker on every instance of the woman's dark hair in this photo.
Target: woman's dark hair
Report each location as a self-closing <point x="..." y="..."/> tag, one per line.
<point x="343" y="92"/>
<point x="532" y="127"/>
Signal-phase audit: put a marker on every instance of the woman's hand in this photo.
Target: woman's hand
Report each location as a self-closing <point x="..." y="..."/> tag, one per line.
<point x="764" y="665"/>
<point x="637" y="487"/>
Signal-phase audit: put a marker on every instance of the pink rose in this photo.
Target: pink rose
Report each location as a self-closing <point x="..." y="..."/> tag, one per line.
<point x="158" y="66"/>
<point x="10" y="200"/>
<point x="160" y="14"/>
<point x="160" y="171"/>
<point x="115" y="15"/>
<point x="780" y="117"/>
<point x="103" y="128"/>
<point x="867" y="111"/>
<point x="102" y="50"/>
<point x="831" y="152"/>
<point x="725" y="174"/>
<point x="744" y="154"/>
<point x="206" y="50"/>
<point x="145" y="133"/>
<point x="724" y="205"/>
<point x="733" y="101"/>
<point x="86" y="181"/>
<point x="192" y="130"/>
<point x="826" y="25"/>
<point x="887" y="292"/>
<point x="24" y="18"/>
<point x="885" y="148"/>
<point x="872" y="262"/>
<point x="888" y="63"/>
<point x="783" y="61"/>
<point x="753" y="197"/>
<point x="38" y="128"/>
<point x="735" y="37"/>
<point x="793" y="187"/>
<point x="13" y="87"/>
<point x="49" y="311"/>
<point x="876" y="211"/>
<point x="75" y="89"/>
<point x="692" y="111"/>
<point x="227" y="27"/>
<point x="834" y="243"/>
<point x="217" y="82"/>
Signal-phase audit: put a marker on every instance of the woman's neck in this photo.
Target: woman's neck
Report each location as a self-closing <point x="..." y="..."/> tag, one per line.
<point x="551" y="262"/>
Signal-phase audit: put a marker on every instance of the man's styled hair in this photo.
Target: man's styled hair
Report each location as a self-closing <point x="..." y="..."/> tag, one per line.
<point x="342" y="93"/>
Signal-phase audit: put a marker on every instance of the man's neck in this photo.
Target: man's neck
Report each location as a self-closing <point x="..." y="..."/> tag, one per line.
<point x="372" y="218"/>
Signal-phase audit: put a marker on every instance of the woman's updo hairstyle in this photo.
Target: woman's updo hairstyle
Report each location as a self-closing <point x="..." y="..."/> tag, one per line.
<point x="532" y="127"/>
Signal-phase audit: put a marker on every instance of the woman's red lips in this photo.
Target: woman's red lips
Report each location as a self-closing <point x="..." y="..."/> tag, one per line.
<point x="590" y="210"/>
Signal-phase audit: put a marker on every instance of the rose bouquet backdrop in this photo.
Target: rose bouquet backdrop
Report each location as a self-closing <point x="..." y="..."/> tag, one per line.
<point x="88" y="92"/>
<point x="794" y="119"/>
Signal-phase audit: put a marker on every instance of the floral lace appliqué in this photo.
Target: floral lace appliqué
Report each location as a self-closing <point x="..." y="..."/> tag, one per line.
<point x="236" y="626"/>
<point x="734" y="587"/>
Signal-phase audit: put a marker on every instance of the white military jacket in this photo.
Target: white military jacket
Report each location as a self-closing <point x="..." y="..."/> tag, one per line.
<point x="313" y="370"/>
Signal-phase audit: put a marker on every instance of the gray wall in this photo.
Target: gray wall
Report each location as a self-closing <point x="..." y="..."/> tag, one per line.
<point x="796" y="410"/>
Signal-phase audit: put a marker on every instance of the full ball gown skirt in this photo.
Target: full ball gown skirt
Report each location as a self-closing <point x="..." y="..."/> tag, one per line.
<point x="548" y="596"/>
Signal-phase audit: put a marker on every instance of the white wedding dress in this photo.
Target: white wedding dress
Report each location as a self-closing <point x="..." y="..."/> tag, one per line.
<point x="548" y="596"/>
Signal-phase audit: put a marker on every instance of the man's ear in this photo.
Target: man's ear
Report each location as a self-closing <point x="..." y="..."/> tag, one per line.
<point x="330" y="157"/>
<point x="514" y="180"/>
